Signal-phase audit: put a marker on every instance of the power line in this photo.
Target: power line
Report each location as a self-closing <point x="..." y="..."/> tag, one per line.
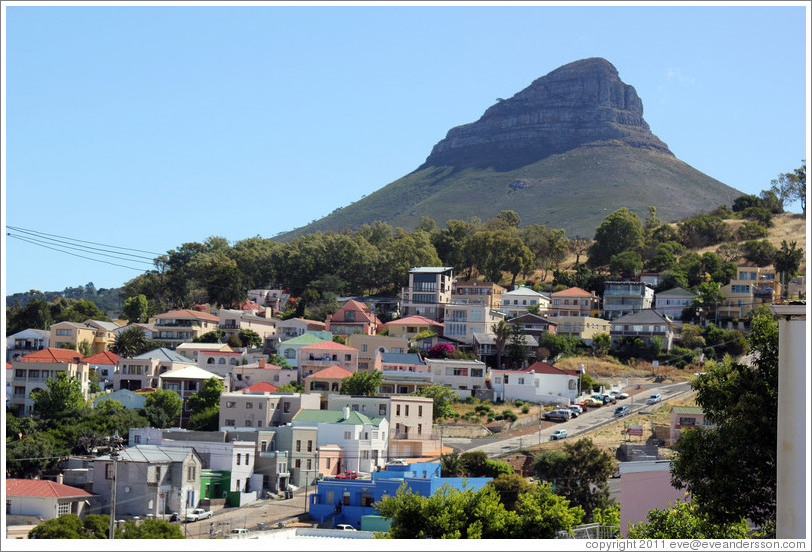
<point x="76" y="255"/>
<point x="37" y="241"/>
<point x="78" y="240"/>
<point x="73" y="245"/>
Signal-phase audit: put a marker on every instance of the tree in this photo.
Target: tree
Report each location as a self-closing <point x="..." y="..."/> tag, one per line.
<point x="601" y="343"/>
<point x="619" y="232"/>
<point x="131" y="342"/>
<point x="501" y="332"/>
<point x="543" y="513"/>
<point x="61" y="399"/>
<point x="214" y="336"/>
<point x="579" y="247"/>
<point x="477" y="464"/>
<point x="136" y="309"/>
<point x="451" y="465"/>
<point x="742" y="401"/>
<point x="292" y="387"/>
<point x="626" y="264"/>
<point x="207" y="396"/>
<point x="166" y="401"/>
<point x="362" y="383"/>
<point x="207" y="419"/>
<point x="443" y="397"/>
<point x="761" y="253"/>
<point x="685" y="520"/>
<point x="547" y="245"/>
<point x="149" y="529"/>
<point x="510" y="486"/>
<point x="580" y="473"/>
<point x="517" y="350"/>
<point x="787" y="261"/>
<point x="81" y="310"/>
<point x="85" y="349"/>
<point x="67" y="526"/>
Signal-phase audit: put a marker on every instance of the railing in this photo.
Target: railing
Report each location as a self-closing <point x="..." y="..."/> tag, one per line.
<point x="590" y="531"/>
<point x="415" y="436"/>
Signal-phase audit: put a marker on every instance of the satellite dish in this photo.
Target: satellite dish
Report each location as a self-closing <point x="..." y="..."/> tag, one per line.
<point x="126" y="489"/>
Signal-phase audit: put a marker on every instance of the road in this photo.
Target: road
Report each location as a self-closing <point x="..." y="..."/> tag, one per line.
<point x="595" y="418"/>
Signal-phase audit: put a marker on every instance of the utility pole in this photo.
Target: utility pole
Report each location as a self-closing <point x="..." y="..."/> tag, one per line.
<point x="115" y="443"/>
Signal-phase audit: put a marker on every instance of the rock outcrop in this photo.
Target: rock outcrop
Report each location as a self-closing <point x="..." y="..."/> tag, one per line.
<point x="581" y="103"/>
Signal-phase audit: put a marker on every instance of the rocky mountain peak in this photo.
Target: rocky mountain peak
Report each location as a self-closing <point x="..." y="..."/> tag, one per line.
<point x="577" y="104"/>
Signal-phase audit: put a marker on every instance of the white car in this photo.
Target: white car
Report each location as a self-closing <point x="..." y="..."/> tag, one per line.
<point x="654" y="399"/>
<point x="345" y="527"/>
<point x="238" y="533"/>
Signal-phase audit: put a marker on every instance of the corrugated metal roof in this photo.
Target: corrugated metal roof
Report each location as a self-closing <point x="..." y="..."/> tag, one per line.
<point x="402" y="358"/>
<point x="151" y="454"/>
<point x="430" y="269"/>
<point x="679" y="409"/>
<point x="335" y="417"/>
<point x="162" y="353"/>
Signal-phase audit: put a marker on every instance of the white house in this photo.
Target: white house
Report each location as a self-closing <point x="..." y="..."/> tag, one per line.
<point x="463" y="376"/>
<point x="671" y="302"/>
<point x="517" y="301"/>
<point x="25" y="342"/>
<point x="44" y="499"/>
<point x="537" y="383"/>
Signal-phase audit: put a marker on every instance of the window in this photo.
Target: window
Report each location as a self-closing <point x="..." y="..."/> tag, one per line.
<point x="366" y="499"/>
<point x="63" y="333"/>
<point x="108" y="471"/>
<point x="397" y="410"/>
<point x="229" y="422"/>
<point x="191" y="473"/>
<point x="249" y="423"/>
<point x="136" y="439"/>
<point x="230" y="404"/>
<point x="349" y="316"/>
<point x="221" y="361"/>
<point x="298" y="445"/>
<point x="687" y="421"/>
<point x="210" y="360"/>
<point x="382" y="410"/>
<point x="247" y="457"/>
<point x="309" y="445"/>
<point x="348" y="435"/>
<point x="19" y="374"/>
<point x="259" y="423"/>
<point x="290" y="353"/>
<point x="260" y="405"/>
<point x="63" y="508"/>
<point x="407" y="409"/>
<point x="238" y="459"/>
<point x="521" y="381"/>
<point x="329" y="465"/>
<point x="249" y="405"/>
<point x="419" y="410"/>
<point x="309" y="464"/>
<point x="263" y="446"/>
<point x="298" y="463"/>
<point x="286" y="408"/>
<point x="347" y="357"/>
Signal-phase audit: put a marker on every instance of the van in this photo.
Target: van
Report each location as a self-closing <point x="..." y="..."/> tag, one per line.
<point x="238" y="533"/>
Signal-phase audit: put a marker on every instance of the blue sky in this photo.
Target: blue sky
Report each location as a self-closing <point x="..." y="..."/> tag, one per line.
<point x="147" y="127"/>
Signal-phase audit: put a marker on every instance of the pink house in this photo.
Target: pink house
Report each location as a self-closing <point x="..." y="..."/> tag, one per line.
<point x="400" y="362"/>
<point x="353" y="317"/>
<point x="331" y="457"/>
<point x="316" y="357"/>
<point x="644" y="486"/>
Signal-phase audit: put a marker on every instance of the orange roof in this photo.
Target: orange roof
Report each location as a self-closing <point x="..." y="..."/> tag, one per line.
<point x="416" y="320"/>
<point x="105" y="357"/>
<point x="261" y="387"/>
<point x="573" y="291"/>
<point x="53" y="354"/>
<point x="328" y="345"/>
<point x="333" y="372"/>
<point x="41" y="487"/>
<point x="188" y="313"/>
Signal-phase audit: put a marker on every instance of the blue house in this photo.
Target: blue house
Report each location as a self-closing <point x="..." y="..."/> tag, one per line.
<point x="348" y="500"/>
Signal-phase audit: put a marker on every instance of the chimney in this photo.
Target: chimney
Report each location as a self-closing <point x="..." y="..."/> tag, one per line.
<point x="60" y="478"/>
<point x="262" y="363"/>
<point x="346" y="412"/>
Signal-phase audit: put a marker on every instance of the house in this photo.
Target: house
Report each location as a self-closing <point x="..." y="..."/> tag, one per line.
<point x="538" y="383"/>
<point x="247" y="409"/>
<point x="685" y="417"/>
<point x="646" y="325"/>
<point x="485" y="346"/>
<point x="71" y="334"/>
<point x="342" y="501"/>
<point x="45" y="499"/>
<point x="582" y="327"/>
<point x="573" y="301"/>
<point x="104" y="365"/>
<point x="428" y="292"/>
<point x="233" y="321"/>
<point x="404" y="383"/>
<point x="289" y="349"/>
<point x="182" y="326"/>
<point x="294" y="327"/>
<point x="129" y="399"/>
<point x="144" y="371"/>
<point x="218" y="362"/>
<point x="369" y="345"/>
<point x="465" y="377"/>
<point x="362" y="438"/>
<point x="274" y="298"/>
<point x="626" y="297"/>
<point x="463" y="320"/>
<point x="149" y="330"/>
<point x="326" y="381"/>
<point x="534" y="324"/>
<point x="319" y="356"/>
<point x="32" y="371"/>
<point x="411" y="326"/>
<point x="25" y="342"/>
<point x="671" y="302"/>
<point x="353" y="317"/>
<point x="517" y="301"/>
<point x="245" y="375"/>
<point x="752" y="286"/>
<point x="400" y="362"/>
<point x="150" y="480"/>
<point x="192" y="351"/>
<point x="186" y="381"/>
<point x="299" y="444"/>
<point x="480" y="293"/>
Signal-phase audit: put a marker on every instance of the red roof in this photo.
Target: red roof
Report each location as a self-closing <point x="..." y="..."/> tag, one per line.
<point x="417" y="320"/>
<point x="105" y="357"/>
<point x="333" y="372"/>
<point x="9" y="366"/>
<point x="42" y="487"/>
<point x="544" y="368"/>
<point x="53" y="354"/>
<point x="188" y="313"/>
<point x="328" y="345"/>
<point x="262" y="387"/>
<point x="573" y="291"/>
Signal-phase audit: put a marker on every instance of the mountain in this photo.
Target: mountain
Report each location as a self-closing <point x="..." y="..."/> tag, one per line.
<point x="564" y="152"/>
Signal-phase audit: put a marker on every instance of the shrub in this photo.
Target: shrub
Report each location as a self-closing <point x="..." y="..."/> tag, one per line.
<point x="751" y="230"/>
<point x="510" y="415"/>
<point x="525" y="409"/>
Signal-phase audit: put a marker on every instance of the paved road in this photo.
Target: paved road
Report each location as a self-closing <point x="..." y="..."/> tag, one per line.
<point x="593" y="419"/>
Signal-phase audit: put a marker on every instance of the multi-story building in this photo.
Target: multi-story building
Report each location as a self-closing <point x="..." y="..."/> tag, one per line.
<point x="104" y="366"/>
<point x="326" y="381"/>
<point x="465" y="377"/>
<point x="428" y="292"/>
<point x="370" y="345"/>
<point x="752" y="286"/>
<point x="480" y="293"/>
<point x="274" y="298"/>
<point x="319" y="356"/>
<point x="463" y="320"/>
<point x="517" y="301"/>
<point x="539" y="383"/>
<point x="626" y="297"/>
<point x="192" y="351"/>
<point x="245" y="375"/>
<point x="180" y="326"/>
<point x="534" y="324"/>
<point x="645" y="325"/>
<point x="233" y="321"/>
<point x="263" y="410"/>
<point x="294" y="327"/>
<point x="353" y="317"/>
<point x="400" y="362"/>
<point x="144" y="370"/>
<point x="404" y="383"/>
<point x="671" y="302"/>
<point x="411" y="326"/>
<point x="289" y="349"/>
<point x="573" y="301"/>
<point x="582" y="327"/>
<point x="32" y="371"/>
<point x="96" y="333"/>
<point x="486" y="351"/>
<point x="26" y="342"/>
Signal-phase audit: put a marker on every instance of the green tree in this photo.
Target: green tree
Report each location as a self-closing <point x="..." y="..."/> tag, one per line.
<point x="761" y="253"/>
<point x="362" y="383"/>
<point x="97" y="526"/>
<point x="619" y="232"/>
<point x="787" y="261"/>
<point x="131" y="342"/>
<point x="601" y="343"/>
<point x="85" y="349"/>
<point x="477" y="464"/>
<point x="207" y="419"/>
<point x="292" y="387"/>
<point x="136" y="309"/>
<point x="501" y="332"/>
<point x="548" y="246"/>
<point x="62" y="398"/>
<point x="517" y="350"/>
<point x="580" y="472"/>
<point x="81" y="310"/>
<point x="510" y="486"/>
<point x="67" y="526"/>
<point x="149" y="529"/>
<point x="207" y="396"/>
<point x="451" y="465"/>
<point x="626" y="264"/>
<point x="742" y="401"/>
<point x="167" y="402"/>
<point x="35" y="314"/>
<point x="543" y="513"/>
<point x="685" y="520"/>
<point x="214" y="336"/>
<point x="443" y="396"/>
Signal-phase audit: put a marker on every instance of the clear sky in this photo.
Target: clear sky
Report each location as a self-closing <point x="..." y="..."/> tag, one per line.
<point x="149" y="126"/>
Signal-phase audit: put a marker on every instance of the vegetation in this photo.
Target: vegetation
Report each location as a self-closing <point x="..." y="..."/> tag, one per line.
<point x="685" y="520"/>
<point x="133" y="342"/>
<point x="362" y="383"/>
<point x="443" y="397"/>
<point x="162" y="407"/>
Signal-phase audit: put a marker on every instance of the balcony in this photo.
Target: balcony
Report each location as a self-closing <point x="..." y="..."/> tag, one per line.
<point x="177" y="324"/>
<point x="415" y="437"/>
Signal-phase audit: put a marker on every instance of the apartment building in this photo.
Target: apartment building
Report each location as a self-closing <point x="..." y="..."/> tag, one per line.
<point x="752" y="286"/>
<point x="428" y="292"/>
<point x="573" y="301"/>
<point x="518" y="301"/>
<point x="31" y="372"/>
<point x="370" y="345"/>
<point x="263" y="410"/>
<point x="316" y="357"/>
<point x="480" y="293"/>
<point x="465" y="377"/>
<point x="626" y="297"/>
<point x="463" y="320"/>
<point x="180" y="326"/>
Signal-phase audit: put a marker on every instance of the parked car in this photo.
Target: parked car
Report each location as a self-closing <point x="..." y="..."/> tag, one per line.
<point x="593" y="402"/>
<point x="621" y="411"/>
<point x="558" y="434"/>
<point x="576" y="410"/>
<point x="654" y="399"/>
<point x="345" y="527"/>
<point x="609" y="399"/>
<point x="620" y="395"/>
<point x="197" y="514"/>
<point x="347" y="474"/>
<point x="558" y="415"/>
<point x="238" y="533"/>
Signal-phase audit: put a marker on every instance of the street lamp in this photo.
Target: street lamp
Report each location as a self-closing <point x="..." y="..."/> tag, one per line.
<point x="115" y="443"/>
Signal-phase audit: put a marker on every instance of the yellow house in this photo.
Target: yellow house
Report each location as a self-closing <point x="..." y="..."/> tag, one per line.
<point x="99" y="334"/>
<point x="752" y="286"/>
<point x="410" y="326"/>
